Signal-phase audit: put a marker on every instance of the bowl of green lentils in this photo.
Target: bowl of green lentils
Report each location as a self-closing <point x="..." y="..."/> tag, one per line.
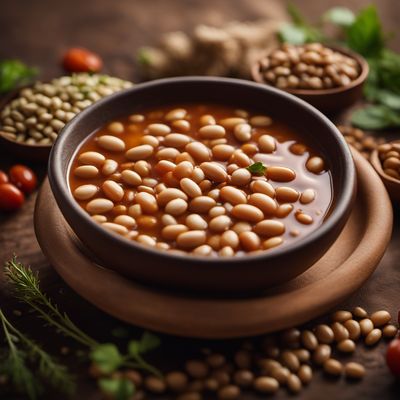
<point x="32" y="117"/>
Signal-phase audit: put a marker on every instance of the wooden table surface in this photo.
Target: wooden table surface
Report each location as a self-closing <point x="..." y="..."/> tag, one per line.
<point x="38" y="32"/>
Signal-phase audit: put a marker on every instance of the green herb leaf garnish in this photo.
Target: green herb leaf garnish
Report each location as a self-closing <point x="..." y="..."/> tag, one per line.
<point x="107" y="357"/>
<point x="118" y="389"/>
<point x="14" y="73"/>
<point x="341" y="16"/>
<point x="257" y="168"/>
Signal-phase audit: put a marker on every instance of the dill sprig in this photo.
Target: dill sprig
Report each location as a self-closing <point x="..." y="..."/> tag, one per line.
<point x="22" y="350"/>
<point x="27" y="289"/>
<point x="106" y="356"/>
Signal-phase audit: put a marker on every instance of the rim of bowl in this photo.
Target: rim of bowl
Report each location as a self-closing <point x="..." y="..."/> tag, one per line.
<point x="362" y="62"/>
<point x="60" y="186"/>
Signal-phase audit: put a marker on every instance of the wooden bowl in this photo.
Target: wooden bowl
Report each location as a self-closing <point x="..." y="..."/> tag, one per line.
<point x="392" y="184"/>
<point x="218" y="275"/>
<point x="29" y="152"/>
<point x="328" y="100"/>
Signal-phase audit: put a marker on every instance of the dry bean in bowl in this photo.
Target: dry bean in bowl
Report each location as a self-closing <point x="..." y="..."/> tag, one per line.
<point x="214" y="185"/>
<point x="38" y="113"/>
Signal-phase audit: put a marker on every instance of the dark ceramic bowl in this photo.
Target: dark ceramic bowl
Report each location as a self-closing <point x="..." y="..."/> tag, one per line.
<point x="218" y="275"/>
<point x="329" y="101"/>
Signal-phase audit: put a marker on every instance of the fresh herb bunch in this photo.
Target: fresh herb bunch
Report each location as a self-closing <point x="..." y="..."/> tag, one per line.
<point x="14" y="73"/>
<point x="29" y="366"/>
<point x="106" y="357"/>
<point x="362" y="33"/>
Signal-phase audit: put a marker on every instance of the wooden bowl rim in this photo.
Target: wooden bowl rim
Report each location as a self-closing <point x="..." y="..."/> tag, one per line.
<point x="255" y="71"/>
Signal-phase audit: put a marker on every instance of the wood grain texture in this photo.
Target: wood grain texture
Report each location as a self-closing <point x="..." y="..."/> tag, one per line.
<point x="38" y="32"/>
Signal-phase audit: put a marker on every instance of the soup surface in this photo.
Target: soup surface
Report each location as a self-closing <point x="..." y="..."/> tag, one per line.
<point x="208" y="180"/>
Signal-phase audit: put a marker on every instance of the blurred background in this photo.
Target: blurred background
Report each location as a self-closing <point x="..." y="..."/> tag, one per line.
<point x="38" y="32"/>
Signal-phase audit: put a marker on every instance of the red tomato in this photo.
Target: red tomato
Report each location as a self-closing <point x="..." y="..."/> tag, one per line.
<point x="23" y="177"/>
<point x="3" y="177"/>
<point x="11" y="198"/>
<point x="393" y="357"/>
<point x="81" y="60"/>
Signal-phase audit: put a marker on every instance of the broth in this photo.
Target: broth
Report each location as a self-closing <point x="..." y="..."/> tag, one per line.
<point x="311" y="179"/>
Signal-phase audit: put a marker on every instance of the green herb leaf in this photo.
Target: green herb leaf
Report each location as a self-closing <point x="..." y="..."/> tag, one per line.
<point x="147" y="343"/>
<point x="365" y="35"/>
<point x="300" y="31"/>
<point x="341" y="16"/>
<point x="257" y="168"/>
<point x="14" y="73"/>
<point x="292" y="34"/>
<point x="107" y="357"/>
<point x="118" y="389"/>
<point x="375" y="117"/>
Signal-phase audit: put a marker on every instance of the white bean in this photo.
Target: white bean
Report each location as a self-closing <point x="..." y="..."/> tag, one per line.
<point x="92" y="158"/>
<point x="191" y="188"/>
<point x="214" y="171"/>
<point x="220" y="223"/>
<point x="139" y="152"/>
<point x="196" y="222"/>
<point x="222" y="151"/>
<point x="191" y="239"/>
<point x="242" y="132"/>
<point x="176" y="140"/>
<point x="147" y="201"/>
<point x="269" y="227"/>
<point x="121" y="230"/>
<point x="111" y="143"/>
<point x="99" y="206"/>
<point x="247" y="212"/>
<point x="169" y="194"/>
<point x="176" y="207"/>
<point x="131" y="178"/>
<point x="86" y="171"/>
<point x="260" y="121"/>
<point x="125" y="220"/>
<point x="159" y="129"/>
<point x="265" y="203"/>
<point x="230" y="238"/>
<point x="112" y="190"/>
<point x="233" y="195"/>
<point x="109" y="167"/>
<point x="198" y="151"/>
<point x="266" y="143"/>
<point x="202" y="204"/>
<point x="85" y="192"/>
<point x="240" y="177"/>
<point x="212" y="132"/>
<point x="171" y="232"/>
<point x="260" y="186"/>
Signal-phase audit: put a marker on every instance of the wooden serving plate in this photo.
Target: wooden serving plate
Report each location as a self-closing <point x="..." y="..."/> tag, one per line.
<point x="344" y="268"/>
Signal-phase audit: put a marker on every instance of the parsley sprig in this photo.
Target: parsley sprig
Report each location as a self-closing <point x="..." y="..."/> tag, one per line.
<point x="257" y="168"/>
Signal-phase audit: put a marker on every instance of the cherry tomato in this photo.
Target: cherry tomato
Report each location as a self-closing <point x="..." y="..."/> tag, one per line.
<point x="81" y="60"/>
<point x="23" y="177"/>
<point x="393" y="357"/>
<point x="11" y="198"/>
<point x="3" y="177"/>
